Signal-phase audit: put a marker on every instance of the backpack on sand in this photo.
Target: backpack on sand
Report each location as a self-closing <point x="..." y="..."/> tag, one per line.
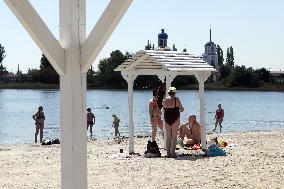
<point x="152" y="147"/>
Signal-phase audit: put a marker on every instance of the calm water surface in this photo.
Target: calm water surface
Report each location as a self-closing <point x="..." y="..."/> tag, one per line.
<point x="244" y="111"/>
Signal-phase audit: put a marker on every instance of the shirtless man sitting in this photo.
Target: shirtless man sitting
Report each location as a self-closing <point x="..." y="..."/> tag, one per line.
<point x="192" y="131"/>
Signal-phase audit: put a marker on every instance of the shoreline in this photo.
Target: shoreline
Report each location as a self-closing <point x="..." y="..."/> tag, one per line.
<point x="209" y="87"/>
<point x="256" y="161"/>
<point x="140" y="136"/>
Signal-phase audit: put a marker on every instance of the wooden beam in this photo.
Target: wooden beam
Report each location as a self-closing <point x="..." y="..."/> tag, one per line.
<point x="39" y="32"/>
<point x="135" y="63"/>
<point x="102" y="31"/>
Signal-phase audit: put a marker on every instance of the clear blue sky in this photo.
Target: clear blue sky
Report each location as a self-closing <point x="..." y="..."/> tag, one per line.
<point x="253" y="27"/>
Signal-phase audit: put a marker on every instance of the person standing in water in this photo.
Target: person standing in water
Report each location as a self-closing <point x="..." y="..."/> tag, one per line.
<point x="90" y="121"/>
<point x="39" y="122"/>
<point x="115" y="124"/>
<point x="219" y="115"/>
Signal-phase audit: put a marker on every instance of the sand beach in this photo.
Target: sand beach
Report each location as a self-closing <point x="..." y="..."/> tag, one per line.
<point x="255" y="160"/>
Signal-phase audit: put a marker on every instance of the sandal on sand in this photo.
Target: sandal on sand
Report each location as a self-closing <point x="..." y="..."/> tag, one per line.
<point x="196" y="147"/>
<point x="187" y="148"/>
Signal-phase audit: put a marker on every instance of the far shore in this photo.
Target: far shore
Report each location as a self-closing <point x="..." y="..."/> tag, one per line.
<point x="210" y="86"/>
<point x="253" y="160"/>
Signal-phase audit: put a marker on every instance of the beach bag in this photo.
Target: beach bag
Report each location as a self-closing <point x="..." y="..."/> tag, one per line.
<point x="55" y="141"/>
<point x="152" y="148"/>
<point x="214" y="151"/>
<point x="46" y="142"/>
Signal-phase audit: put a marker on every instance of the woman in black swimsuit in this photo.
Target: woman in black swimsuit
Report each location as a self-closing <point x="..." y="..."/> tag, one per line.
<point x="172" y="108"/>
<point x="39" y="122"/>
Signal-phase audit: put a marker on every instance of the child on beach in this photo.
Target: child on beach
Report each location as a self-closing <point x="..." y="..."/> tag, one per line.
<point x="90" y="120"/>
<point x="219" y="115"/>
<point x="39" y="122"/>
<point x="115" y="124"/>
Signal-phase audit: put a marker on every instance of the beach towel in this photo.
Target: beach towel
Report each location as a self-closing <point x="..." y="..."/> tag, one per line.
<point x="121" y="156"/>
<point x="213" y="151"/>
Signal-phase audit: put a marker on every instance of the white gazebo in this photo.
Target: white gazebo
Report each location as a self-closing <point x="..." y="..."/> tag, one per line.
<point x="164" y="64"/>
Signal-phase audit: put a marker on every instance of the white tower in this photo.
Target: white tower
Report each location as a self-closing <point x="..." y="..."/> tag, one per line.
<point x="210" y="54"/>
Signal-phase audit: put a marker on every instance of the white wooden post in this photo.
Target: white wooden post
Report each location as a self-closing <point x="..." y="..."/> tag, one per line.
<point x="71" y="58"/>
<point x="130" y="114"/>
<point x="162" y="77"/>
<point x="130" y="77"/>
<point x="202" y="77"/>
<point x="170" y="76"/>
<point x="73" y="96"/>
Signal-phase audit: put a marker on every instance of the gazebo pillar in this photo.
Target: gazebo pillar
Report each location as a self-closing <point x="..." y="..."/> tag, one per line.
<point x="130" y="77"/>
<point x="202" y="77"/>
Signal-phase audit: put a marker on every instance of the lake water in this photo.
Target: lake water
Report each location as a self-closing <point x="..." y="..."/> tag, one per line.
<point x="244" y="111"/>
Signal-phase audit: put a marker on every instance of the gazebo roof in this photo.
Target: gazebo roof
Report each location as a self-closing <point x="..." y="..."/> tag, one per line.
<point x="152" y="60"/>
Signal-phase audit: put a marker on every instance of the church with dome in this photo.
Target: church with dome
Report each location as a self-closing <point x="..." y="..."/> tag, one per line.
<point x="210" y="55"/>
<point x="163" y="41"/>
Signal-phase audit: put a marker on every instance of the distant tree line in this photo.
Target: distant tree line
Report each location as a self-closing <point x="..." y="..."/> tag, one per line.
<point x="231" y="75"/>
<point x="2" y="68"/>
<point x="240" y="76"/>
<point x="45" y="74"/>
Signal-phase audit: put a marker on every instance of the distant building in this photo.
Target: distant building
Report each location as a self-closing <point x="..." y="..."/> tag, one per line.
<point x="5" y="76"/>
<point x="8" y="78"/>
<point x="210" y="55"/>
<point x="277" y="76"/>
<point x="163" y="41"/>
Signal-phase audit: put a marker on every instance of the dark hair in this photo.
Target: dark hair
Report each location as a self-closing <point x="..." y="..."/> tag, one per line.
<point x="155" y="93"/>
<point x="40" y="107"/>
<point x="89" y="109"/>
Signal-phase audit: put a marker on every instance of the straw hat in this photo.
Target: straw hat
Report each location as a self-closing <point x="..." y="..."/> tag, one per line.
<point x="172" y="90"/>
